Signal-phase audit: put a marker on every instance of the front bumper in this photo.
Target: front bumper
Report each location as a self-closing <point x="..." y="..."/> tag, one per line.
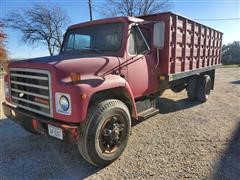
<point x="40" y="123"/>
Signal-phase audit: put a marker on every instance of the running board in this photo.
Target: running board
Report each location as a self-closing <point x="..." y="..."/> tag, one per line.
<point x="148" y="113"/>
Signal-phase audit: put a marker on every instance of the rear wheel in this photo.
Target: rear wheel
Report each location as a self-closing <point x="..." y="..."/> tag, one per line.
<point x="191" y="88"/>
<point x="204" y="88"/>
<point x="178" y="87"/>
<point x="104" y="135"/>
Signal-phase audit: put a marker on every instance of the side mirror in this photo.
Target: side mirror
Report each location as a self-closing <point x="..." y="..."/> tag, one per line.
<point x="158" y="35"/>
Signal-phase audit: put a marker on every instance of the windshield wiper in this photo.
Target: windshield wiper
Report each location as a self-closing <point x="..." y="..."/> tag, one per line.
<point x="93" y="49"/>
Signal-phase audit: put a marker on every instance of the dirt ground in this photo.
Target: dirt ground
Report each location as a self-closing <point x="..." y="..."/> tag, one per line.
<point x="187" y="140"/>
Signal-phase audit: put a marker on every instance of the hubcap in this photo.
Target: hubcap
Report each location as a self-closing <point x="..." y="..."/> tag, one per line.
<point x="112" y="134"/>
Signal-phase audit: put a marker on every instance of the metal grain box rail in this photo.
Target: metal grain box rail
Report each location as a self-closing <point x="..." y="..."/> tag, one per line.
<point x="189" y="45"/>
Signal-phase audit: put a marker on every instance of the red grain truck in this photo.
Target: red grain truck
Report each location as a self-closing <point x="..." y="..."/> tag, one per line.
<point x="108" y="73"/>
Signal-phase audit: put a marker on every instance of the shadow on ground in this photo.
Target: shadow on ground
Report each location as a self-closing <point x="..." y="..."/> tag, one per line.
<point x="27" y="156"/>
<point x="24" y="155"/>
<point x="166" y="106"/>
<point x="235" y="82"/>
<point x="229" y="165"/>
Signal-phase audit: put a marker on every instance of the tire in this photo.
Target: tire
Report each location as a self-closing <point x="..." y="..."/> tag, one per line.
<point x="178" y="88"/>
<point x="104" y="135"/>
<point x="204" y="88"/>
<point x="191" y="88"/>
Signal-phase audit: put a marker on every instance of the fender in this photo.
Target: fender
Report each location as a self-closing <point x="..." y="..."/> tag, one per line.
<point x="91" y="86"/>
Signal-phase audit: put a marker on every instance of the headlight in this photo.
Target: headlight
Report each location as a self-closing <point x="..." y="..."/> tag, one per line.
<point x="6" y="89"/>
<point x="63" y="103"/>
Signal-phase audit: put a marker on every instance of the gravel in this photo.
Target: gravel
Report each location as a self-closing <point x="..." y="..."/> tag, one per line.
<point x="186" y="140"/>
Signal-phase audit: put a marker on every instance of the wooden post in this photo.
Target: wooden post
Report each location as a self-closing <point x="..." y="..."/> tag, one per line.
<point x="90" y="9"/>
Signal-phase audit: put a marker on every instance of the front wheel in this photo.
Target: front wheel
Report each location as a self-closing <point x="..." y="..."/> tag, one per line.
<point x="104" y="135"/>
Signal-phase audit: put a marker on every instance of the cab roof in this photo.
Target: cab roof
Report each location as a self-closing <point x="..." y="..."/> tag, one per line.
<point x="107" y="20"/>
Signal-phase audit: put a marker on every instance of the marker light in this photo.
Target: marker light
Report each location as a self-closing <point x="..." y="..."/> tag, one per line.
<point x="75" y="77"/>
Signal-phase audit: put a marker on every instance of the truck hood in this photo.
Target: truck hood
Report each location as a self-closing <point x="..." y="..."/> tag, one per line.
<point x="62" y="65"/>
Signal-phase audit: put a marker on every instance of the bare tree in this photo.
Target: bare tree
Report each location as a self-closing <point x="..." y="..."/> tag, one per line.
<point x="3" y="51"/>
<point x="133" y="7"/>
<point x="3" y="37"/>
<point x="40" y="24"/>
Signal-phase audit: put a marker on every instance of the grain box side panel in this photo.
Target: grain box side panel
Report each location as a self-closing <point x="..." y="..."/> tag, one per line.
<point x="164" y="54"/>
<point x="188" y="46"/>
<point x="163" y="66"/>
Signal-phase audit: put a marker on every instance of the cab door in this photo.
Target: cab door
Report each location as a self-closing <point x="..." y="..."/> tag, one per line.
<point x="142" y="76"/>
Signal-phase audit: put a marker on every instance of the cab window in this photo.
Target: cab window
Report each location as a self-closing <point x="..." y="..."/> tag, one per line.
<point x="78" y="41"/>
<point x="136" y="42"/>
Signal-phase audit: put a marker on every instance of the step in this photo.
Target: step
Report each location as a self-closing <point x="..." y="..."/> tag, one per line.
<point x="148" y="113"/>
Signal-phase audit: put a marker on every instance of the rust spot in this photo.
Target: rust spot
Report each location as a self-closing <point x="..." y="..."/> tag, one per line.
<point x="41" y="100"/>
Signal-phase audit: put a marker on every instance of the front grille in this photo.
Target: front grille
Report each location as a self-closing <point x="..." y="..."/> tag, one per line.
<point x="31" y="90"/>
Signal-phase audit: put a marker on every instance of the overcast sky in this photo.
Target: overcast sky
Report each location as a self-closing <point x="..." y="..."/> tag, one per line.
<point x="203" y="10"/>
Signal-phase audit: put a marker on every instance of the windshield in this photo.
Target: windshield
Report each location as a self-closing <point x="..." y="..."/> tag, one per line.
<point x="96" y="38"/>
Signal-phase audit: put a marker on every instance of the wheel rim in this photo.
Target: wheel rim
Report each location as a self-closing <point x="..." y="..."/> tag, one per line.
<point x="112" y="134"/>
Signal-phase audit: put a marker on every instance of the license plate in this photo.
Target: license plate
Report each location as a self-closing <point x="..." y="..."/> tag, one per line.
<point x="55" y="132"/>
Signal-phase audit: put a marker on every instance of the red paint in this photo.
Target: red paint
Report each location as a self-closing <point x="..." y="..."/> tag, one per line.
<point x="35" y="124"/>
<point x="194" y="46"/>
<point x="98" y="72"/>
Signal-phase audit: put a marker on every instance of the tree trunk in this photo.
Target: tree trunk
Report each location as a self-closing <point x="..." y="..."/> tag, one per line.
<point x="50" y="49"/>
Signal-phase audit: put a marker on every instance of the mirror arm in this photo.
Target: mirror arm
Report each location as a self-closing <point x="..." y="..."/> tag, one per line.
<point x="143" y="38"/>
<point x="157" y="59"/>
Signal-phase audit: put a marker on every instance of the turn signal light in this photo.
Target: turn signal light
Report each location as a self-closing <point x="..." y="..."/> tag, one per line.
<point x="75" y="77"/>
